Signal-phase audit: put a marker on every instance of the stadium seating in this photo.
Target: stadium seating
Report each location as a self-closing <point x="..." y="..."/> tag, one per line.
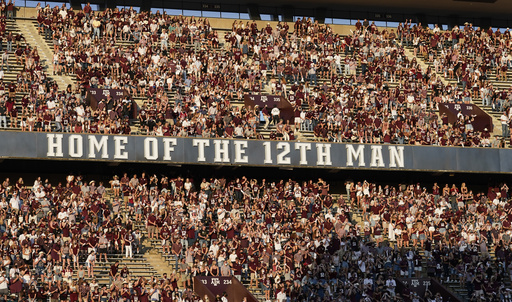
<point x="301" y="239"/>
<point x="354" y="95"/>
<point x="280" y="238"/>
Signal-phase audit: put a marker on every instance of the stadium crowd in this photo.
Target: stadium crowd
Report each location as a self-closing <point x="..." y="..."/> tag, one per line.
<point x="355" y="88"/>
<point x="289" y="239"/>
<point x="474" y="56"/>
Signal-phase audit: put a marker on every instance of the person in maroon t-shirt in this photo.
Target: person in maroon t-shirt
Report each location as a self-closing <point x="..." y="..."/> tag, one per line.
<point x="151" y="226"/>
<point x="87" y="10"/>
<point x="165" y="235"/>
<point x="10" y="10"/>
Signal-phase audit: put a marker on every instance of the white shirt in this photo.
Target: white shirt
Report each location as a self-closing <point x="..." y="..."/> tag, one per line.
<point x="391" y="284"/>
<point x="13" y="271"/>
<point x="39" y="194"/>
<point x="91" y="258"/>
<point x="51" y="104"/>
<point x="15" y="202"/>
<point x="504" y="119"/>
<point x="62" y="215"/>
<point x="3" y="282"/>
<point x="281" y="296"/>
<point x="63" y="13"/>
<point x="80" y="111"/>
<point x="214" y="248"/>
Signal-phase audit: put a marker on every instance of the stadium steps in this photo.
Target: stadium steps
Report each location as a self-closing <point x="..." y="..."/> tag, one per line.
<point x="45" y="52"/>
<point x="15" y="68"/>
<point x="495" y="116"/>
<point x="138" y="266"/>
<point x="166" y="263"/>
<point x="453" y="285"/>
<point x="141" y="265"/>
<point x="135" y="129"/>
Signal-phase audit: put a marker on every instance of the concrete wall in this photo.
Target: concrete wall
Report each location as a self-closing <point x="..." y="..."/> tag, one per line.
<point x="218" y="23"/>
<point x="26" y="12"/>
<point x="221" y="23"/>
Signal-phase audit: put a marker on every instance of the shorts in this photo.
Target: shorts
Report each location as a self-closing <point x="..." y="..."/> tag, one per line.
<point x="184" y="277"/>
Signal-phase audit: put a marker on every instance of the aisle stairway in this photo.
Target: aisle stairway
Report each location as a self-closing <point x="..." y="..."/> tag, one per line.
<point x="15" y="68"/>
<point x="424" y="61"/>
<point x="452" y="285"/>
<point x="165" y="263"/>
<point x="45" y="52"/>
<point x="141" y="265"/>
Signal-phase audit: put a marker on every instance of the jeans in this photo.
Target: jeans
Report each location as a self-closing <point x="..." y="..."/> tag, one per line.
<point x="10" y="14"/>
<point x="47" y="33"/>
<point x="3" y="121"/>
<point x="58" y="126"/>
<point x="504" y="130"/>
<point x="184" y="243"/>
<point x="313" y="78"/>
<point x="306" y="125"/>
<point x="9" y="45"/>
<point x="486" y="101"/>
<point x="499" y="105"/>
<point x="96" y="32"/>
<point x="177" y="258"/>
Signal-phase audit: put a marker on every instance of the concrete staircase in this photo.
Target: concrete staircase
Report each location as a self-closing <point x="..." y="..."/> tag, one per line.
<point x="424" y="63"/>
<point x="141" y="265"/>
<point x="452" y="285"/>
<point x="26" y="27"/>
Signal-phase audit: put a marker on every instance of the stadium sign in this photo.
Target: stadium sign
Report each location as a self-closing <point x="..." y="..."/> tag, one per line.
<point x="217" y="151"/>
<point x="179" y="150"/>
